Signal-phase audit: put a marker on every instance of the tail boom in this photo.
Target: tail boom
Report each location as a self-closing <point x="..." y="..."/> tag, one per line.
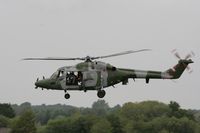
<point x="177" y="70"/>
<point x="172" y="73"/>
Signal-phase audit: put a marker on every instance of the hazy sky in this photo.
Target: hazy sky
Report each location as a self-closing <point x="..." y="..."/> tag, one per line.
<point x="76" y="28"/>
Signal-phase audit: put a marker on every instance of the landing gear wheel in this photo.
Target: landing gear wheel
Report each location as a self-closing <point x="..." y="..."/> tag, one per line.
<point x="101" y="93"/>
<point x="67" y="96"/>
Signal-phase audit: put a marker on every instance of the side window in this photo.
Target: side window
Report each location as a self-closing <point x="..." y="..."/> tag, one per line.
<point x="71" y="78"/>
<point x="74" y="78"/>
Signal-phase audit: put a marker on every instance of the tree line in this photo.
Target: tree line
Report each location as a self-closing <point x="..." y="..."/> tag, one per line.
<point x="143" y="117"/>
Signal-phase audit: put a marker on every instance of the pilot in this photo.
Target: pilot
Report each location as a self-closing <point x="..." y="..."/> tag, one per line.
<point x="73" y="78"/>
<point x="67" y="79"/>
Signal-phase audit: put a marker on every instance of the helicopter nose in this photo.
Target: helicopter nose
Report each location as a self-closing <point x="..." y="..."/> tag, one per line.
<point x="40" y="83"/>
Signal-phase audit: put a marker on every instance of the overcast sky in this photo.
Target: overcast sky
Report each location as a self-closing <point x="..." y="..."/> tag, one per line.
<point x="76" y="28"/>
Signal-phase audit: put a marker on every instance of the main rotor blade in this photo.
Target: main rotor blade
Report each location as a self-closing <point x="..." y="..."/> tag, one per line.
<point x="118" y="54"/>
<point x="88" y="57"/>
<point x="52" y="58"/>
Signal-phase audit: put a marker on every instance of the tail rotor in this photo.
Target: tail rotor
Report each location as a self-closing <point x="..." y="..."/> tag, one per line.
<point x="187" y="57"/>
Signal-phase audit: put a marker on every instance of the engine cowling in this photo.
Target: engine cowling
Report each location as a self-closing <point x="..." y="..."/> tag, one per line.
<point x="110" y="67"/>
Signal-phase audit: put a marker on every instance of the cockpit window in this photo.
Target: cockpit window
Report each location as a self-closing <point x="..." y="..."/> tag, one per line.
<point x="55" y="75"/>
<point x="61" y="73"/>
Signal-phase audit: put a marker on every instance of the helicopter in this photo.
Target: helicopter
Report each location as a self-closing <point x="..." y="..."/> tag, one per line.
<point x="96" y="75"/>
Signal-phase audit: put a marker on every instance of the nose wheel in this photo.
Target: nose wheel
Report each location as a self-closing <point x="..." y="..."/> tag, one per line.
<point x="67" y="96"/>
<point x="101" y="93"/>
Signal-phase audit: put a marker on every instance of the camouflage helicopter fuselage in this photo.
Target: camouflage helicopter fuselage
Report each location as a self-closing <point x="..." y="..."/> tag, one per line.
<point x="96" y="75"/>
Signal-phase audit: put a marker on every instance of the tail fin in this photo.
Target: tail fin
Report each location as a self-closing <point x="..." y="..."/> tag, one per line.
<point x="177" y="70"/>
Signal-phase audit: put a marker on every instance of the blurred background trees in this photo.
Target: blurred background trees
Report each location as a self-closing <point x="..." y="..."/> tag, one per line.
<point x="143" y="117"/>
<point x="24" y="123"/>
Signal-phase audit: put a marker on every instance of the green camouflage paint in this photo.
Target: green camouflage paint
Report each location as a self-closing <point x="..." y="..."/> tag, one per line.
<point x="99" y="75"/>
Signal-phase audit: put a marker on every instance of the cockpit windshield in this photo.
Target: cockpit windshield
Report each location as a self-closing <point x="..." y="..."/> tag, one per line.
<point x="54" y="75"/>
<point x="57" y="74"/>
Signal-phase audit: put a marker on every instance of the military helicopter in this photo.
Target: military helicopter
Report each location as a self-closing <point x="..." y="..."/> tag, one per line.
<point x="95" y="75"/>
